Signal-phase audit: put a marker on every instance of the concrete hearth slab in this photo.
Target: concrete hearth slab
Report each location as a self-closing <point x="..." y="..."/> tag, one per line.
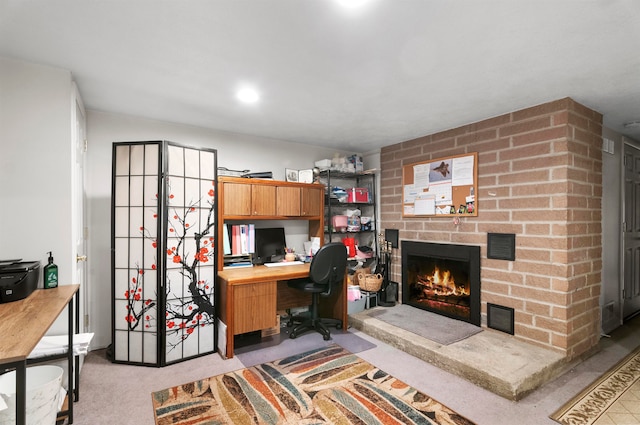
<point x="490" y="359"/>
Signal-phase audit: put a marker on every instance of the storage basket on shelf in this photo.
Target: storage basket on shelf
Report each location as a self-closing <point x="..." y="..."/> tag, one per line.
<point x="370" y="282"/>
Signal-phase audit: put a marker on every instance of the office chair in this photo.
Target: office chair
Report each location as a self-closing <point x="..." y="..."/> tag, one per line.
<point x="327" y="270"/>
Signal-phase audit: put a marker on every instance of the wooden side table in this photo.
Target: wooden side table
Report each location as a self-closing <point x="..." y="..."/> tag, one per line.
<point x="22" y="324"/>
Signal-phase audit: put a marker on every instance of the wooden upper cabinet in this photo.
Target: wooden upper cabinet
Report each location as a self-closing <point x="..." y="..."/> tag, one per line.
<point x="263" y="199"/>
<point x="249" y="199"/>
<point x="299" y="201"/>
<point x="246" y="198"/>
<point x="312" y="201"/>
<point x="237" y="199"/>
<point x="288" y="201"/>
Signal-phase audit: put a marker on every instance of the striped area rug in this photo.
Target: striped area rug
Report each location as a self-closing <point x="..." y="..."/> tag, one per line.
<point x="324" y="386"/>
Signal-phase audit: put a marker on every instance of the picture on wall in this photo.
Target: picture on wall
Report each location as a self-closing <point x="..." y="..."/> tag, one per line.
<point x="291" y="175"/>
<point x="298" y="176"/>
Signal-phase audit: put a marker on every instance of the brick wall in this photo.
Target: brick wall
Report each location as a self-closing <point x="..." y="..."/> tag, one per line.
<point x="539" y="177"/>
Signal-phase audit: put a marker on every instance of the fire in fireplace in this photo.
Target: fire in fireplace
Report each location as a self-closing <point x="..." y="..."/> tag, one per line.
<point x="442" y="278"/>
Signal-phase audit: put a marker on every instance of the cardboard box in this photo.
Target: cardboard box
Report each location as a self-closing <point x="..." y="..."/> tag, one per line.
<point x="358" y="194"/>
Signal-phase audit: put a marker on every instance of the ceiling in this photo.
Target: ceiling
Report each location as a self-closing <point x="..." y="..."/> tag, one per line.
<point x="349" y="78"/>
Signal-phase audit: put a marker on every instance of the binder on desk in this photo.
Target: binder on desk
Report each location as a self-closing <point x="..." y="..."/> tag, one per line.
<point x="236" y="246"/>
<point x="226" y="243"/>
<point x="252" y="239"/>
<point x="242" y="239"/>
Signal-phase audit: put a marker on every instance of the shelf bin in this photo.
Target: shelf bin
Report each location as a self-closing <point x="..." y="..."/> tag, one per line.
<point x="44" y="385"/>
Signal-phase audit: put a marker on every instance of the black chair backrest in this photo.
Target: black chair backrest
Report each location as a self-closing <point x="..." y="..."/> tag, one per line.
<point x="329" y="265"/>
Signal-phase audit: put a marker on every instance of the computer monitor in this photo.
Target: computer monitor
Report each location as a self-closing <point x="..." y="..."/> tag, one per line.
<point x="270" y="245"/>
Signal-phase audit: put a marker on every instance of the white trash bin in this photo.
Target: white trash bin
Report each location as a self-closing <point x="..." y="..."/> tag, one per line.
<point x="43" y="392"/>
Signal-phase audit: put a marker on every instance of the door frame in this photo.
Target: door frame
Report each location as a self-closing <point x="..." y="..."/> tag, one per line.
<point x="79" y="210"/>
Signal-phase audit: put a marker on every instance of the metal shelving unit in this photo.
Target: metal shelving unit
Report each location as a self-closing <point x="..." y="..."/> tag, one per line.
<point x="334" y="206"/>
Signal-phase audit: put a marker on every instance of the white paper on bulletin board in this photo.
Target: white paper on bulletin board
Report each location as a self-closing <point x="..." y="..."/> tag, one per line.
<point x="425" y="204"/>
<point x="421" y="176"/>
<point x="462" y="173"/>
<point x="441" y="186"/>
<point x="441" y="193"/>
<point x="410" y="194"/>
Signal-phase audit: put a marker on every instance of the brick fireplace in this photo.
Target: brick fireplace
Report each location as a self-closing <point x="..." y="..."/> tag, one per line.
<point x="539" y="177"/>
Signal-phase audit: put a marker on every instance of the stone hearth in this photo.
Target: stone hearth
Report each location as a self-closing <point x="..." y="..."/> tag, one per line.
<point x="490" y="359"/>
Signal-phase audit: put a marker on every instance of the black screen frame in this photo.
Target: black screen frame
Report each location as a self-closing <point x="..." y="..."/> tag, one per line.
<point x="270" y="244"/>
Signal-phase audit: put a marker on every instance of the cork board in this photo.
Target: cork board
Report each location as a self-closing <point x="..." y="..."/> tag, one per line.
<point x="442" y="187"/>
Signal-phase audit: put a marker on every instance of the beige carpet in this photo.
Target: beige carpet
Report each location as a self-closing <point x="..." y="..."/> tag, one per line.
<point x="613" y="399"/>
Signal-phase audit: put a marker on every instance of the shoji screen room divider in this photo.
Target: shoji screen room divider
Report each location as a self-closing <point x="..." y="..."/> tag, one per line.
<point x="163" y="227"/>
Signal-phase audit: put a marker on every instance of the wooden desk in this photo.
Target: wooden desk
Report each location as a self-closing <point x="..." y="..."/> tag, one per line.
<point x="23" y="323"/>
<point x="251" y="296"/>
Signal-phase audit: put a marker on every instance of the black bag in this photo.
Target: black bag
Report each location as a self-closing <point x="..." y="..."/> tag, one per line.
<point x="391" y="292"/>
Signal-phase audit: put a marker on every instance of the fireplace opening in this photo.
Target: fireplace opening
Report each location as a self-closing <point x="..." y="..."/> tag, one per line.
<point x="442" y="278"/>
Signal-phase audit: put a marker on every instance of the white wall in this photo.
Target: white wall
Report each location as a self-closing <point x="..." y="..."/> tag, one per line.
<point x="36" y="167"/>
<point x="234" y="152"/>
<point x="35" y="163"/>
<point x="611" y="232"/>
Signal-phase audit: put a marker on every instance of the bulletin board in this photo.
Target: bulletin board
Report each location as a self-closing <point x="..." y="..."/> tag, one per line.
<point x="442" y="187"/>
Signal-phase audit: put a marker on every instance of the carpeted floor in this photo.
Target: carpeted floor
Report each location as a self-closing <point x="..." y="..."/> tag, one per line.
<point x="612" y="399"/>
<point x="326" y="385"/>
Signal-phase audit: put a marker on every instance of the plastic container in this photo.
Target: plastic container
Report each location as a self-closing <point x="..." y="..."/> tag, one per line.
<point x="340" y="223"/>
<point x="358" y="194"/>
<point x="323" y="164"/>
<point x="355" y="301"/>
<point x="350" y="243"/>
<point x="43" y="394"/>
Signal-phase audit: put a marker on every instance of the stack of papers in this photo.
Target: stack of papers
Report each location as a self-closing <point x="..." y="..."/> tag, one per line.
<point x="52" y="345"/>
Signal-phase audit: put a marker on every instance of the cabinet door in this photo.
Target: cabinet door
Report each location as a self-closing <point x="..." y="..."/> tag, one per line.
<point x="254" y="307"/>
<point x="288" y="201"/>
<point x="263" y="199"/>
<point x="237" y="199"/>
<point x="312" y="201"/>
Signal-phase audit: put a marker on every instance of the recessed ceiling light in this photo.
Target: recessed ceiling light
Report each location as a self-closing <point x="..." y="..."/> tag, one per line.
<point x="351" y="3"/>
<point x="248" y="95"/>
<point x="632" y="124"/>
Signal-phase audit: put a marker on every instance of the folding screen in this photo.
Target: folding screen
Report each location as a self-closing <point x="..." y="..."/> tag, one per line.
<point x="163" y="252"/>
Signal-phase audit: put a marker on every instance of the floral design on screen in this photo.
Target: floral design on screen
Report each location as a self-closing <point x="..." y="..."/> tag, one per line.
<point x="184" y="313"/>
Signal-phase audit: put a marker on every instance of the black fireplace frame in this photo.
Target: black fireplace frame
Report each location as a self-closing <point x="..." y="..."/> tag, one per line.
<point x="467" y="253"/>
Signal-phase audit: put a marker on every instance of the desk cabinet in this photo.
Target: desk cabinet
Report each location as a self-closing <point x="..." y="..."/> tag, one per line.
<point x="251" y="296"/>
<point x="254" y="307"/>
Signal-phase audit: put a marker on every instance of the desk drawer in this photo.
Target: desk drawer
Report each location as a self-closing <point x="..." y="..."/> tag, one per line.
<point x="254" y="307"/>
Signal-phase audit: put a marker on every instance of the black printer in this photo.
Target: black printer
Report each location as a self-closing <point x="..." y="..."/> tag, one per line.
<point x="18" y="279"/>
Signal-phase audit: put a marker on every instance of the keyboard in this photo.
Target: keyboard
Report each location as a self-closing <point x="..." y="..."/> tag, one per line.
<point x="283" y="263"/>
